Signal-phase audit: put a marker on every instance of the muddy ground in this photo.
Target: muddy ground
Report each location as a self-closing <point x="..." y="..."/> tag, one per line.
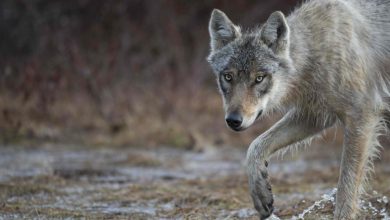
<point x="70" y="182"/>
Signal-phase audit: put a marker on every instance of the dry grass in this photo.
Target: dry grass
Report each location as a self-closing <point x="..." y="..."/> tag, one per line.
<point x="177" y="122"/>
<point x="191" y="199"/>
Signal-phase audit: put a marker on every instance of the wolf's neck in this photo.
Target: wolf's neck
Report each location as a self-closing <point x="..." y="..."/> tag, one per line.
<point x="299" y="46"/>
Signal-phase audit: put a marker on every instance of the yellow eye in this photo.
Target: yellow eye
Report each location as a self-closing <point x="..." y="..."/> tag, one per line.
<point x="259" y="79"/>
<point x="228" y="77"/>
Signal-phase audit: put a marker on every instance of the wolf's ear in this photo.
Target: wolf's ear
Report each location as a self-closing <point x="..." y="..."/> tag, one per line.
<point x="275" y="33"/>
<point x="222" y="30"/>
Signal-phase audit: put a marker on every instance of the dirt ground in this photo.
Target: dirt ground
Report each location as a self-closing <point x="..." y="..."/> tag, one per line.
<point x="71" y="182"/>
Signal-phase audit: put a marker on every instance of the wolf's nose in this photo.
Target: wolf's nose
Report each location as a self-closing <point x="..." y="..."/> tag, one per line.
<point x="234" y="120"/>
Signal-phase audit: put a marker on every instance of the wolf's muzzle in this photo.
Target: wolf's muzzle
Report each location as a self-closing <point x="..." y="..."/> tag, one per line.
<point x="234" y="120"/>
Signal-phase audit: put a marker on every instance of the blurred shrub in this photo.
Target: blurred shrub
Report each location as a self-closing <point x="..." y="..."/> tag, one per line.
<point x="115" y="72"/>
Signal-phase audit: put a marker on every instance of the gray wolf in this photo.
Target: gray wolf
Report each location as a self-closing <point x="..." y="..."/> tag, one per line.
<point x="326" y="64"/>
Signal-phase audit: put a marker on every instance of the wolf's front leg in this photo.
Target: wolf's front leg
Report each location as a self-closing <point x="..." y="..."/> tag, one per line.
<point x="360" y="138"/>
<point x="287" y="131"/>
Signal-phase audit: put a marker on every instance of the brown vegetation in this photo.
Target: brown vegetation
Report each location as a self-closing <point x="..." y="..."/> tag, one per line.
<point x="122" y="73"/>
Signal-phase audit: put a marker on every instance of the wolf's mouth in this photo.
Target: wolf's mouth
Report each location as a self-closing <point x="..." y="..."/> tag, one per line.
<point x="258" y="114"/>
<point x="237" y="129"/>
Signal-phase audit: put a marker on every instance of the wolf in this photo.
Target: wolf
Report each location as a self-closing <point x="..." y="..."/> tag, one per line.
<point x="326" y="64"/>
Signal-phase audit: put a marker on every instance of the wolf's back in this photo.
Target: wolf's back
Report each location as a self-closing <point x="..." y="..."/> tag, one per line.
<point x="346" y="36"/>
<point x="377" y="15"/>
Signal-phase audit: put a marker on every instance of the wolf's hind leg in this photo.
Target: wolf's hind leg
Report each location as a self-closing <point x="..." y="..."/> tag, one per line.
<point x="360" y="145"/>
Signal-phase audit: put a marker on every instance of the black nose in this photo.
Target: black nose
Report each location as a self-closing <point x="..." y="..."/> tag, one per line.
<point x="234" y="120"/>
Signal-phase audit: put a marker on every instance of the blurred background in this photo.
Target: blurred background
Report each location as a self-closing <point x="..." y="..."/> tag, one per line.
<point x="109" y="110"/>
<point x="115" y="72"/>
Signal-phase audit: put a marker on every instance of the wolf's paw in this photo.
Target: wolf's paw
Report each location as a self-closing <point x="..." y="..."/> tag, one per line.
<point x="261" y="192"/>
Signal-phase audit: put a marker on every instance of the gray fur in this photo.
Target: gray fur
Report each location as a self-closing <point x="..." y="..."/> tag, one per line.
<point x="326" y="63"/>
<point x="222" y="30"/>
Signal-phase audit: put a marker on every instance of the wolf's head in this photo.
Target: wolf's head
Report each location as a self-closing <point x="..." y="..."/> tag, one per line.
<point x="250" y="67"/>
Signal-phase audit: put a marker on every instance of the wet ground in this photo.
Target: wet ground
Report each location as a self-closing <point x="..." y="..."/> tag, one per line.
<point x="64" y="182"/>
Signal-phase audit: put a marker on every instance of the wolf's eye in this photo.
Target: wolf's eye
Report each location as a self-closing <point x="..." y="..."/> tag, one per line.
<point x="228" y="77"/>
<point x="259" y="79"/>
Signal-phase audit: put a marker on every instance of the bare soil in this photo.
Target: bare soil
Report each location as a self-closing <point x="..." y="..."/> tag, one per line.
<point x="59" y="182"/>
